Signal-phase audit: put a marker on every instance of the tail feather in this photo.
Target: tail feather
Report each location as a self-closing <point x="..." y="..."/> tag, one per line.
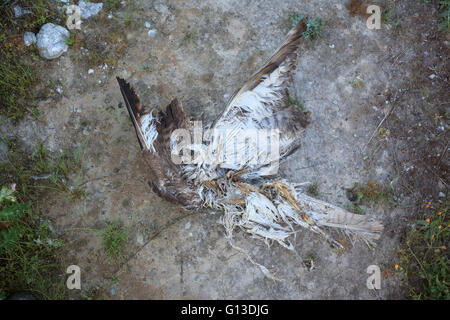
<point x="325" y="214"/>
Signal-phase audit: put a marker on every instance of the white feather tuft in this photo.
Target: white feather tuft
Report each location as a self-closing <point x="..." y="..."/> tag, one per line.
<point x="149" y="132"/>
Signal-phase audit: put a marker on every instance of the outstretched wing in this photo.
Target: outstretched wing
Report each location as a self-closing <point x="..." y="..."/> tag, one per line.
<point x="154" y="133"/>
<point x="266" y="90"/>
<point x="261" y="103"/>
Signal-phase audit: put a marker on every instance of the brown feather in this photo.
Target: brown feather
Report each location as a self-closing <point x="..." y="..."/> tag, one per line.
<point x="134" y="107"/>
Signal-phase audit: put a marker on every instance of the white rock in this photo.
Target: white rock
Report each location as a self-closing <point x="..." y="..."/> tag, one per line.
<point x="89" y="9"/>
<point x="147" y="24"/>
<point x="29" y="38"/>
<point x="51" y="41"/>
<point x="90" y="71"/>
<point x="151" y="33"/>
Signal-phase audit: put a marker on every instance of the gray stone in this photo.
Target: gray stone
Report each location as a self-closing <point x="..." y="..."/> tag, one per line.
<point x="29" y="38"/>
<point x="89" y="9"/>
<point x="18" y="11"/>
<point x="51" y="41"/>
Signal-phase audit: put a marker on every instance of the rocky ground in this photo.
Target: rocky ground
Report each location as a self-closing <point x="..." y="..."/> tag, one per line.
<point x="201" y="52"/>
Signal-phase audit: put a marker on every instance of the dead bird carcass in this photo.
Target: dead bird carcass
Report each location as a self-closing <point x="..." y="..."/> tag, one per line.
<point x="248" y="191"/>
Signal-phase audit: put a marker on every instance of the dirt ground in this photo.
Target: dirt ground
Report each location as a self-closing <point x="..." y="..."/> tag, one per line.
<point x="201" y="53"/>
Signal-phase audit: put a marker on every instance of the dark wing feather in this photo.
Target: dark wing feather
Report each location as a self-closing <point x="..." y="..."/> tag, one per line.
<point x="134" y="107"/>
<point x="167" y="181"/>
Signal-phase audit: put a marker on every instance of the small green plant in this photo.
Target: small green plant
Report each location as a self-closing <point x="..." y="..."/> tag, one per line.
<point x="390" y="16"/>
<point x="290" y="101"/>
<point x="70" y="41"/>
<point x="112" y="4"/>
<point x="313" y="189"/>
<point x="147" y="68"/>
<point x="189" y="37"/>
<point x="314" y="29"/>
<point x="424" y="259"/>
<point x="10" y="224"/>
<point x="358" y="81"/>
<point x="444" y="6"/>
<point x="114" y="240"/>
<point x="370" y="193"/>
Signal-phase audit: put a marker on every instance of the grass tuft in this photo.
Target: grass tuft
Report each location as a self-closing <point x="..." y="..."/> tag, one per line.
<point x="30" y="253"/>
<point x="114" y="240"/>
<point x="371" y="193"/>
<point x="28" y="250"/>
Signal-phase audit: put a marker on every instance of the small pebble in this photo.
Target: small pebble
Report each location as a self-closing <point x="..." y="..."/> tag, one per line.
<point x="29" y="38"/>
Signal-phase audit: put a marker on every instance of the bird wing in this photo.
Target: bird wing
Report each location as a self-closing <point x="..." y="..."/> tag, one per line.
<point x="261" y="103"/>
<point x="267" y="88"/>
<point x="154" y="136"/>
